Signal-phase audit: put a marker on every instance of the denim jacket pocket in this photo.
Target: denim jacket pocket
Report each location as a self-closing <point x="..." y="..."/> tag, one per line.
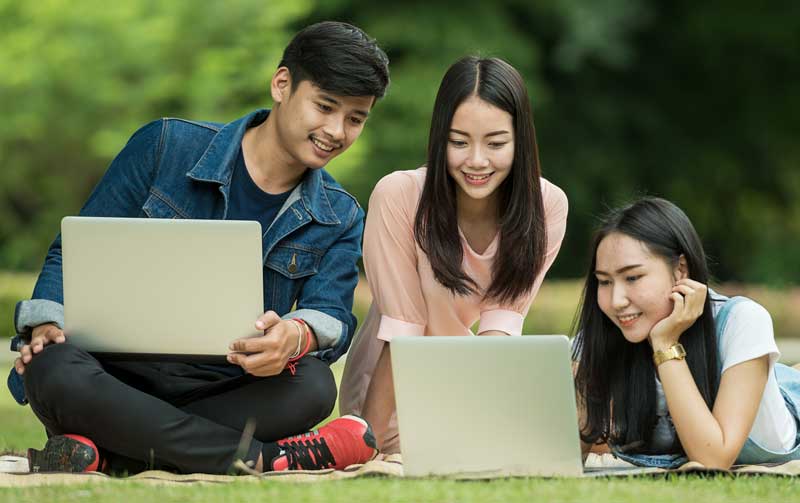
<point x="294" y="261"/>
<point x="158" y="207"/>
<point x="286" y="270"/>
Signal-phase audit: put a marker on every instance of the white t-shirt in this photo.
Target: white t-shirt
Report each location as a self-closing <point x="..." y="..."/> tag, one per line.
<point x="748" y="335"/>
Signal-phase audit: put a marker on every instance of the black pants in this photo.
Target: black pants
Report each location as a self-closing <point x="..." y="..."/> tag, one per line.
<point x="173" y="416"/>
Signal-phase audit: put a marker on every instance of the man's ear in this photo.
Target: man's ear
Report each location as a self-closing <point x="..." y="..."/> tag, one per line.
<point x="682" y="269"/>
<point x="281" y="85"/>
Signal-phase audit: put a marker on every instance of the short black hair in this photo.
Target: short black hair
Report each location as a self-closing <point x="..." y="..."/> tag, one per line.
<point x="339" y="58"/>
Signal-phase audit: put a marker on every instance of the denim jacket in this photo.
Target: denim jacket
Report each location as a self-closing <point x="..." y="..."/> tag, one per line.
<point x="174" y="168"/>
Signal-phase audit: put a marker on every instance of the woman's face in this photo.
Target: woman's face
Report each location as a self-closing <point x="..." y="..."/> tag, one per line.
<point x="634" y="285"/>
<point x="480" y="148"/>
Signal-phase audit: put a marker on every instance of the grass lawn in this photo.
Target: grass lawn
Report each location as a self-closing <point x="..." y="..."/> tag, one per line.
<point x="552" y="313"/>
<point x="20" y="429"/>
<point x="710" y="490"/>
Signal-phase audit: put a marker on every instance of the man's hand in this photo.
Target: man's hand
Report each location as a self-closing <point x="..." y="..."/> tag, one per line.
<point x="267" y="355"/>
<point x="41" y="336"/>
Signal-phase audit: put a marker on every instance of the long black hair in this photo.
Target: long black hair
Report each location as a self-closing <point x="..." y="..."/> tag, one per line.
<point x="523" y="239"/>
<point x="616" y="378"/>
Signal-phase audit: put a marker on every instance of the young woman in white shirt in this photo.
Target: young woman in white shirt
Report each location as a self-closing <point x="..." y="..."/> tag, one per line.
<point x="667" y="370"/>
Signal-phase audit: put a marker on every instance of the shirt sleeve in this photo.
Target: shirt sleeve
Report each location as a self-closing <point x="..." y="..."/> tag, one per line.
<point x="748" y="335"/>
<point x="390" y="257"/>
<point x="509" y="317"/>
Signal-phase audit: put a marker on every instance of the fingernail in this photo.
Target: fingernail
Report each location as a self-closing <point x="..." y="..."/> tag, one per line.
<point x="230" y="346"/>
<point x="260" y="324"/>
<point x="230" y="358"/>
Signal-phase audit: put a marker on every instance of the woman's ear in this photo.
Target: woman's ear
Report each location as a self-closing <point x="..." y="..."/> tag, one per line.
<point x="681" y="269"/>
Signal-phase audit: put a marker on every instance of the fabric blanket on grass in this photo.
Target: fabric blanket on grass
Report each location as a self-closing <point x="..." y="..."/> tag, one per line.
<point x="389" y="467"/>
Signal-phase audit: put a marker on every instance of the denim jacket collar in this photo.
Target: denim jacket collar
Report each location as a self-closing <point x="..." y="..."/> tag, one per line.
<point x="216" y="166"/>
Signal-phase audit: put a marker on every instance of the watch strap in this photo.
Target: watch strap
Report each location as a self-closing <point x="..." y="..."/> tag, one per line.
<point x="674" y="352"/>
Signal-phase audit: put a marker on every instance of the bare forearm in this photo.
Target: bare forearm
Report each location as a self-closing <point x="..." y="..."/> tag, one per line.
<point x="699" y="431"/>
<point x="713" y="436"/>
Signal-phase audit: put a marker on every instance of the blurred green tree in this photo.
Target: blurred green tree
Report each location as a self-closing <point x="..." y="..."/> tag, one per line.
<point x="697" y="103"/>
<point x="78" y="78"/>
<point x="693" y="102"/>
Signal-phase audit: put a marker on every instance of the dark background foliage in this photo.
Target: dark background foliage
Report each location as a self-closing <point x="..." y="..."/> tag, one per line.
<point x="693" y="101"/>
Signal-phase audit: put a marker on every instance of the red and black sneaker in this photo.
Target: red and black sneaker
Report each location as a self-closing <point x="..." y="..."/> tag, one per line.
<point x="65" y="453"/>
<point x="345" y="441"/>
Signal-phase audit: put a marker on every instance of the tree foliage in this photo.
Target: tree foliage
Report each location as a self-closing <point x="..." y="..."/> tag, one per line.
<point x="78" y="78"/>
<point x="693" y="102"/>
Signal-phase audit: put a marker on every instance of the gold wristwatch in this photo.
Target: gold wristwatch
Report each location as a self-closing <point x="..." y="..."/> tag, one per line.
<point x="674" y="352"/>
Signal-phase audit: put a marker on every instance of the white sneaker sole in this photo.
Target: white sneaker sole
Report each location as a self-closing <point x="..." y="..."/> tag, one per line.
<point x="14" y="464"/>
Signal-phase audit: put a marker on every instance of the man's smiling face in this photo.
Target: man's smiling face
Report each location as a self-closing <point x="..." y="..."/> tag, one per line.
<point x="314" y="125"/>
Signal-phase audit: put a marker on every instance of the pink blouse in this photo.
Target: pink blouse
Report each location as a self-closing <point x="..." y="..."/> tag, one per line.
<point x="406" y="298"/>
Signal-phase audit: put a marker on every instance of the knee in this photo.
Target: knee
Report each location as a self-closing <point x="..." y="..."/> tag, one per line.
<point x="53" y="372"/>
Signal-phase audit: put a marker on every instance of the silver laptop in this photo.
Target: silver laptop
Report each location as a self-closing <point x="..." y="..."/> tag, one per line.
<point x="163" y="289"/>
<point x="486" y="406"/>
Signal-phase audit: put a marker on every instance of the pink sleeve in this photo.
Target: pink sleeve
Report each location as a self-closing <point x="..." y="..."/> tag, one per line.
<point x="504" y="320"/>
<point x="390" y="257"/>
<point x="508" y="318"/>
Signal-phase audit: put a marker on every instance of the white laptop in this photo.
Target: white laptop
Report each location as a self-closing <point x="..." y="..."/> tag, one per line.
<point x="486" y="406"/>
<point x="160" y="289"/>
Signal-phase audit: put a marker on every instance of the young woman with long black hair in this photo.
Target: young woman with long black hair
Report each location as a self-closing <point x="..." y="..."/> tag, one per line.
<point x="466" y="239"/>
<point x="667" y="369"/>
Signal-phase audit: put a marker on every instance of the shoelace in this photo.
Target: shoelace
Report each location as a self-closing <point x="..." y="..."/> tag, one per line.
<point x="299" y="453"/>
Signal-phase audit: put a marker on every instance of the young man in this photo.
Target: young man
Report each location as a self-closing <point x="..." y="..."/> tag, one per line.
<point x="265" y="167"/>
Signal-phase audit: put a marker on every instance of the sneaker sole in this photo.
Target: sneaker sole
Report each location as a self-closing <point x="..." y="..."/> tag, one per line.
<point x="63" y="454"/>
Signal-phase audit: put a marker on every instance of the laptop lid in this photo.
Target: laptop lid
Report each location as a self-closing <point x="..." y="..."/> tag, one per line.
<point x="486" y="406"/>
<point x="160" y="289"/>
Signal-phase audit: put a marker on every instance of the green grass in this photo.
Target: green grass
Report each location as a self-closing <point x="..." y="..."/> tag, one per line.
<point x="13" y="287"/>
<point x="691" y="488"/>
<point x="20" y="429"/>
